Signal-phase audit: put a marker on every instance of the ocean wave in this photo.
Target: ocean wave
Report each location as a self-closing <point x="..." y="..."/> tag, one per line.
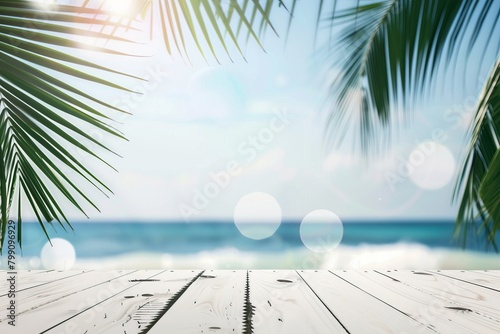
<point x="388" y="256"/>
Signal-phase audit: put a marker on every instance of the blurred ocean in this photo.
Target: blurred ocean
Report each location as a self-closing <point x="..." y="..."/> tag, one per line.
<point x="370" y="245"/>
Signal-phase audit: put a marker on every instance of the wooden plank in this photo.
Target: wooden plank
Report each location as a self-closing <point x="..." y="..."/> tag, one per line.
<point x="477" y="299"/>
<point x="29" y="281"/>
<point x="35" y="272"/>
<point x="441" y="315"/>
<point x="488" y="282"/>
<point x="348" y="303"/>
<point x="270" y="301"/>
<point x="22" y="276"/>
<point x="494" y="273"/>
<point x="45" y="294"/>
<point x="26" y="275"/>
<point x="130" y="311"/>
<point x="212" y="303"/>
<point x="32" y="275"/>
<point x="80" y="300"/>
<point x="284" y="303"/>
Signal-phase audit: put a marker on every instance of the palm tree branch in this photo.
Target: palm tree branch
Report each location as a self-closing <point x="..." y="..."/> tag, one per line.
<point x="395" y="48"/>
<point x="376" y="31"/>
<point x="185" y="18"/>
<point x="477" y="185"/>
<point x="42" y="118"/>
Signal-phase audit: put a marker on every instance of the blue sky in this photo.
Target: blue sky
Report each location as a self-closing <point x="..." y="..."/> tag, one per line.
<point x="204" y="135"/>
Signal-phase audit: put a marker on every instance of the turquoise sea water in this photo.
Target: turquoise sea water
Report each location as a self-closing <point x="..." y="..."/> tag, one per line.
<point x="108" y="239"/>
<point x="221" y="245"/>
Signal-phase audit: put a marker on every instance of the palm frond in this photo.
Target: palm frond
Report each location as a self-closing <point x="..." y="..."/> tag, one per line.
<point x="490" y="195"/>
<point x="41" y="115"/>
<point x="390" y="51"/>
<point x="214" y="24"/>
<point x="478" y="185"/>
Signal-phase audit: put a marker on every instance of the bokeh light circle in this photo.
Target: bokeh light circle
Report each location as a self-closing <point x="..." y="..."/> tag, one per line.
<point x="433" y="166"/>
<point x="257" y="215"/>
<point x="59" y="256"/>
<point x="321" y="231"/>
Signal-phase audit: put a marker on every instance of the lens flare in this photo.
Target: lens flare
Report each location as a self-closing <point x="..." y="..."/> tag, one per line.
<point x="321" y="231"/>
<point x="59" y="256"/>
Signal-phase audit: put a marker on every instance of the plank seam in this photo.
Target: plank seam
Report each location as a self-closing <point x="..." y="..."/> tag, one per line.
<point x="50" y="282"/>
<point x="169" y="304"/>
<point x="406" y="314"/>
<point x="322" y="302"/>
<point x="102" y="301"/>
<point x="390" y="277"/>
<point x="248" y="309"/>
<point x="444" y="299"/>
<point x="66" y="295"/>
<point x="458" y="279"/>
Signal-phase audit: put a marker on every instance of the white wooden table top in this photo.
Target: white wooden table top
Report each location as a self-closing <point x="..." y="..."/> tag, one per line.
<point x="253" y="301"/>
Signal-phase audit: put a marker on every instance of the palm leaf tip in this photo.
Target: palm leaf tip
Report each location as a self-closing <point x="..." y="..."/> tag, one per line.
<point x="214" y="25"/>
<point x="477" y="187"/>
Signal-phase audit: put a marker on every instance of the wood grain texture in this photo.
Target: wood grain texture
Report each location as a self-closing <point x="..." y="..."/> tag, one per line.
<point x="261" y="301"/>
<point x="437" y="313"/>
<point x="463" y="295"/>
<point x="486" y="281"/>
<point x="494" y="273"/>
<point x="359" y="311"/>
<point x="131" y="310"/>
<point x="212" y="304"/>
<point x="284" y="303"/>
<point x="75" y="298"/>
<point x="27" y="280"/>
<point x="42" y="295"/>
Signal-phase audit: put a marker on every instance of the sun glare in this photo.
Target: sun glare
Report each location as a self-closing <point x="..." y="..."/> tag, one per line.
<point x="44" y="4"/>
<point x="120" y="8"/>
